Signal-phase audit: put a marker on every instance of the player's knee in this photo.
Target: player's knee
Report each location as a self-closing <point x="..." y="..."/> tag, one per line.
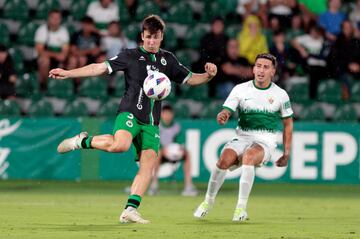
<point x="223" y="164"/>
<point x="247" y="160"/>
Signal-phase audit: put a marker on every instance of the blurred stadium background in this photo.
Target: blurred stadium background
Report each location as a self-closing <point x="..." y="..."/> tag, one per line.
<point x="325" y="98"/>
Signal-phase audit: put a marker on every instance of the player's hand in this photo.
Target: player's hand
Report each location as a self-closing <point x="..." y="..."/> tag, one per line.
<point x="211" y="69"/>
<point x="59" y="74"/>
<point x="223" y="117"/>
<point x="282" y="161"/>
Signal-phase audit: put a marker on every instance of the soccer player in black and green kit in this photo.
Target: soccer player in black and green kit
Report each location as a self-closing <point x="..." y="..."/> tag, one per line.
<point x="138" y="116"/>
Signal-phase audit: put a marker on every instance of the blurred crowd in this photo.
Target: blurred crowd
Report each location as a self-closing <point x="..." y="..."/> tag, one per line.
<point x="317" y="39"/>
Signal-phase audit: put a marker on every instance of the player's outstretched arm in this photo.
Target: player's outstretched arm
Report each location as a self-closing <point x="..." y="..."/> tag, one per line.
<point x="198" y="79"/>
<point x="223" y="116"/>
<point x="287" y="138"/>
<point x="94" y="69"/>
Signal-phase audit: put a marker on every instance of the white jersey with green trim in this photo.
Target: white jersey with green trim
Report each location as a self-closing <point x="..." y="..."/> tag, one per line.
<point x="260" y="110"/>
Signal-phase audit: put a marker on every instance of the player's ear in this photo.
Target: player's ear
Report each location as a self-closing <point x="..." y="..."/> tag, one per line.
<point x="142" y="36"/>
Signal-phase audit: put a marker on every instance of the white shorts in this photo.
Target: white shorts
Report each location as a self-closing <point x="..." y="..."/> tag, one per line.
<point x="241" y="143"/>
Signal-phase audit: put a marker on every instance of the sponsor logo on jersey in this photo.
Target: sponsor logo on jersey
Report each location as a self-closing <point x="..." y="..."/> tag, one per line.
<point x="163" y="61"/>
<point x="142" y="58"/>
<point x="139" y="103"/>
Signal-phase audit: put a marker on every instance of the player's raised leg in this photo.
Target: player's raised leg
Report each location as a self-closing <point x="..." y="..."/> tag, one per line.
<point x="227" y="159"/>
<point x="251" y="157"/>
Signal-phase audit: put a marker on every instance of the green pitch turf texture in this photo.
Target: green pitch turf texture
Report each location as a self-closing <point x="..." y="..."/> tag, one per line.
<point x="30" y="209"/>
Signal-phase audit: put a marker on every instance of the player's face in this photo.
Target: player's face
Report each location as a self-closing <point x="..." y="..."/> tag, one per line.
<point x="263" y="71"/>
<point x="152" y="42"/>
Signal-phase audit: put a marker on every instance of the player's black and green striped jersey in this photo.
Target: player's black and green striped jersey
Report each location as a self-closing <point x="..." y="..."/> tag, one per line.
<point x="137" y="64"/>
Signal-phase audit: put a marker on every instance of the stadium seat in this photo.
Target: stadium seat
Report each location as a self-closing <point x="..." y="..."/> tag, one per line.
<point x="75" y="108"/>
<point x="193" y="36"/>
<point x="345" y="113"/>
<point x="184" y="57"/>
<point x="146" y="9"/>
<point x="44" y="7"/>
<point x="5" y="35"/>
<point x="78" y="9"/>
<point x="211" y="110"/>
<point x="329" y="90"/>
<point x="355" y="92"/>
<point x="232" y="31"/>
<point x="108" y="109"/>
<point x="181" y="13"/>
<point x="93" y="87"/>
<point x="26" y="33"/>
<point x="195" y="92"/>
<point x="131" y="31"/>
<point x="16" y="10"/>
<point x="182" y="110"/>
<point x="63" y="89"/>
<point x="299" y="92"/>
<point x="312" y="113"/>
<point x="9" y="108"/>
<point x="18" y="59"/>
<point x="170" y="38"/>
<point x="41" y="108"/>
<point x="119" y="85"/>
<point x="27" y="85"/>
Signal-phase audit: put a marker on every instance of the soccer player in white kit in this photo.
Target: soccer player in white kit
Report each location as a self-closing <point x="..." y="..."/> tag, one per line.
<point x="261" y="104"/>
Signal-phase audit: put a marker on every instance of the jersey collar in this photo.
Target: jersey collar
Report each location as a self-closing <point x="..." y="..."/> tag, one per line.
<point x="259" y="88"/>
<point x="145" y="51"/>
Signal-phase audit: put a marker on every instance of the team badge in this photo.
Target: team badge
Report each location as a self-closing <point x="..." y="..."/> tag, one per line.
<point x="271" y="100"/>
<point x="163" y="61"/>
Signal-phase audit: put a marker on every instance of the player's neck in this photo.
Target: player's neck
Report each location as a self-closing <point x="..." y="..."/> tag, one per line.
<point x="262" y="85"/>
<point x="146" y="51"/>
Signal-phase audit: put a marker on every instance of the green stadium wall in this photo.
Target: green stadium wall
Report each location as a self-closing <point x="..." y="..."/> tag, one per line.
<point x="321" y="152"/>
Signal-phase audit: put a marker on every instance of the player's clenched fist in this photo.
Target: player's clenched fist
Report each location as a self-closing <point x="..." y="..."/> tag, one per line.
<point x="211" y="69"/>
<point x="58" y="73"/>
<point x="223" y="116"/>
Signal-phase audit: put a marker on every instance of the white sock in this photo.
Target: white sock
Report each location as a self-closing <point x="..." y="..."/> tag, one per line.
<point x="215" y="182"/>
<point x="245" y="185"/>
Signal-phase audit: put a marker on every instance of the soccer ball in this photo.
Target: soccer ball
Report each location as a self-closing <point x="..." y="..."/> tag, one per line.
<point x="157" y="86"/>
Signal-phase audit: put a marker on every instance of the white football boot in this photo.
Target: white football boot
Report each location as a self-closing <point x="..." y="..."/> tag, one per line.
<point x="70" y="144"/>
<point x="202" y="210"/>
<point x="132" y="216"/>
<point x="240" y="215"/>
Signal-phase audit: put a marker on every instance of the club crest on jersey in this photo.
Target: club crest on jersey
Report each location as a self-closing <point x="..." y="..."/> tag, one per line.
<point x="163" y="61"/>
<point x="271" y="100"/>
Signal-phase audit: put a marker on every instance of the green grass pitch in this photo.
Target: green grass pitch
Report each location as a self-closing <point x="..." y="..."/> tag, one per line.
<point x="30" y="209"/>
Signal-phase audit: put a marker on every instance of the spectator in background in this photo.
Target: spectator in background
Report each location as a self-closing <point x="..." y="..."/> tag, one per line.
<point x="296" y="29"/>
<point x="355" y="18"/>
<point x="281" y="51"/>
<point x="251" y="39"/>
<point x="331" y="20"/>
<point x="345" y="57"/>
<point x="52" y="45"/>
<point x="246" y="8"/>
<point x="103" y="12"/>
<point x="85" y="44"/>
<point x="212" y="49"/>
<point x="115" y="41"/>
<point x="7" y="74"/>
<point x="274" y="26"/>
<point x="312" y="54"/>
<point x="172" y="151"/>
<point x="233" y="70"/>
<point x="282" y="10"/>
<point x="131" y="6"/>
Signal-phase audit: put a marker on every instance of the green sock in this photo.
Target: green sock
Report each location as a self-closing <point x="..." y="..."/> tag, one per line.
<point x="133" y="201"/>
<point x="86" y="142"/>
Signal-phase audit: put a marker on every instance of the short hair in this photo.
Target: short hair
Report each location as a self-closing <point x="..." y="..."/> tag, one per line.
<point x="269" y="57"/>
<point x="153" y="23"/>
<point x="54" y="11"/>
<point x="87" y="19"/>
<point x="3" y="48"/>
<point x="167" y="107"/>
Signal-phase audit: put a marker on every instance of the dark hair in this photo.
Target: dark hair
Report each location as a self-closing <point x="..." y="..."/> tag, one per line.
<point x="87" y="19"/>
<point x="217" y="18"/>
<point x="153" y="23"/>
<point x="54" y="11"/>
<point x="269" y="57"/>
<point x="167" y="107"/>
<point x="3" y="48"/>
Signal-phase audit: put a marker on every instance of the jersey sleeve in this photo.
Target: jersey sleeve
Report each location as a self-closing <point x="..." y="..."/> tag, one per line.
<point x="119" y="62"/>
<point x="285" y="109"/>
<point x="233" y="100"/>
<point x="178" y="73"/>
